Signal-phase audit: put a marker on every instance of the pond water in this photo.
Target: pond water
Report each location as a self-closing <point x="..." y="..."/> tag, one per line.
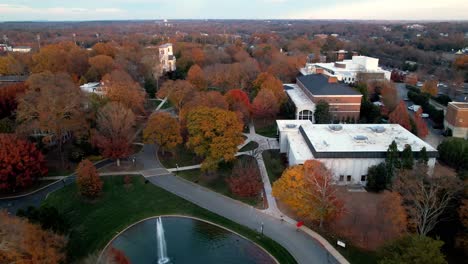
<point x="180" y="240"/>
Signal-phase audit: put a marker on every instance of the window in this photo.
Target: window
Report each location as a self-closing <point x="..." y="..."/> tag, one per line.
<point x="306" y="115"/>
<point x="341" y="178"/>
<point x="348" y="178"/>
<point x="363" y="178"/>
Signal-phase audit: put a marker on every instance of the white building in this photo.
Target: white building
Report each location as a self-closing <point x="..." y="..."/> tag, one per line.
<point x="93" y="87"/>
<point x="166" y="58"/>
<point x="347" y="70"/>
<point x="348" y="150"/>
<point x="21" y="49"/>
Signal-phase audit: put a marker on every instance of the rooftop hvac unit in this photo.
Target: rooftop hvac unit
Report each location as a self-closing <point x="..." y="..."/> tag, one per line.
<point x="335" y="127"/>
<point x="291" y="126"/>
<point x="378" y="129"/>
<point x="360" y="138"/>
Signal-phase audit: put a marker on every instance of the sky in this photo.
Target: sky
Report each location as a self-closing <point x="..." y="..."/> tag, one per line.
<point x="59" y="10"/>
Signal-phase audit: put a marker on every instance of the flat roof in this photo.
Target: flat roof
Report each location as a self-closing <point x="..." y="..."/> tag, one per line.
<point x="351" y="140"/>
<point x="299" y="98"/>
<point x="318" y="84"/>
<point x="459" y="105"/>
<point x="298" y="147"/>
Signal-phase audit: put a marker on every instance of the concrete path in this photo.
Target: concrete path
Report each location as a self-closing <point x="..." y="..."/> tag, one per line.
<point x="303" y="247"/>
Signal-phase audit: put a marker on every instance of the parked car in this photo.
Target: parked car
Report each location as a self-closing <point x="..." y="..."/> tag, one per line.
<point x="424" y="115"/>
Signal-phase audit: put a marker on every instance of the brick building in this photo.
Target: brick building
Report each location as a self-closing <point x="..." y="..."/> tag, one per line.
<point x="344" y="101"/>
<point x="456" y="119"/>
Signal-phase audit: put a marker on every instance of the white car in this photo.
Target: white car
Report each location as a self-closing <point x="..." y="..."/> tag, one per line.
<point x="424" y="115"/>
<point x="414" y="108"/>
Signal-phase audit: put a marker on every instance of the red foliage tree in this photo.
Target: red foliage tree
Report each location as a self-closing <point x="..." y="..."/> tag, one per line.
<point x="245" y="179"/>
<point x="400" y="116"/>
<point x="420" y="124"/>
<point x="21" y="163"/>
<point x="117" y="256"/>
<point x="265" y="104"/>
<point x="8" y="96"/>
<point x="239" y="102"/>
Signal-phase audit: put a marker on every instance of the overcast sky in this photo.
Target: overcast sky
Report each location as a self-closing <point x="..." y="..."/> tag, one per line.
<point x="19" y="10"/>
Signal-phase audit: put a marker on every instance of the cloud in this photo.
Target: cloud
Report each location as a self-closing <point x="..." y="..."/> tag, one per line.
<point x="384" y="9"/>
<point x="13" y="12"/>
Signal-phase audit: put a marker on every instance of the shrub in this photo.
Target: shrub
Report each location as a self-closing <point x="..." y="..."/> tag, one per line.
<point x="245" y="179"/>
<point x="454" y="152"/>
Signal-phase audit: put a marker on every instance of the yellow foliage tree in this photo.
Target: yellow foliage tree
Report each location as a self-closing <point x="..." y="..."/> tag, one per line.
<point x="430" y="87"/>
<point x="309" y="190"/>
<point x="23" y="242"/>
<point x="164" y="130"/>
<point x="214" y="134"/>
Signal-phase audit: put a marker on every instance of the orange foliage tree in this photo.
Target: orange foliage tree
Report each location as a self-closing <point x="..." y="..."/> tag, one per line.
<point x="9" y="65"/>
<point x="102" y="64"/>
<point x="196" y="76"/>
<point x="461" y="62"/>
<point x="164" y="130"/>
<point x="421" y="125"/>
<point x="120" y="87"/>
<point x="21" y="163"/>
<point x="214" y="134"/>
<point x="102" y="48"/>
<point x="88" y="181"/>
<point x="265" y="104"/>
<point x="178" y="92"/>
<point x="430" y="87"/>
<point x="51" y="107"/>
<point x="400" y="116"/>
<point x="23" y="242"/>
<point x="370" y="220"/>
<point x="388" y="92"/>
<point x="309" y="190"/>
<point x="114" y="131"/>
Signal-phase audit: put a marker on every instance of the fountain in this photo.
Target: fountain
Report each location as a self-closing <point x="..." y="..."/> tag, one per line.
<point x="161" y="243"/>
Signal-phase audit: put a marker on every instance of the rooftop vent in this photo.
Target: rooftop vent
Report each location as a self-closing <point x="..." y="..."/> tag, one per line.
<point x="335" y="127"/>
<point x="360" y="138"/>
<point x="401" y="138"/>
<point x="378" y="129"/>
<point x="291" y="125"/>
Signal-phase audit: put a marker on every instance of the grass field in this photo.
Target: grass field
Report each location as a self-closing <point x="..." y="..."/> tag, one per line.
<point x="216" y="181"/>
<point x="274" y="164"/>
<point x="94" y="224"/>
<point x="181" y="156"/>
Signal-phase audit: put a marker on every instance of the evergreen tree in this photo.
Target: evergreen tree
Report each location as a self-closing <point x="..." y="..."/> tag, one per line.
<point x="377" y="177"/>
<point x="322" y="113"/>
<point x="407" y="159"/>
<point x="392" y="161"/>
<point x="414" y="249"/>
<point x="423" y="158"/>
<point x="150" y="87"/>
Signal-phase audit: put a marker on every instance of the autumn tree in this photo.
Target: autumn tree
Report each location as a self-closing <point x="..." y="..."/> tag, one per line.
<point x="21" y="163"/>
<point x="164" y="130"/>
<point x="114" y="132"/>
<point x="8" y="98"/>
<point x="214" y="134"/>
<point x="425" y="197"/>
<point x="120" y="87"/>
<point x="245" y="180"/>
<point x="61" y="57"/>
<point x="309" y="190"/>
<point x="400" y="116"/>
<point x="102" y="48"/>
<point x="421" y="125"/>
<point x="9" y="65"/>
<point x="23" y="242"/>
<point x="178" y="92"/>
<point x="430" y="87"/>
<point x="414" y="249"/>
<point x="389" y="94"/>
<point x="265" y="104"/>
<point x="269" y="82"/>
<point x="322" y="113"/>
<point x="115" y="256"/>
<point x="52" y="108"/>
<point x="102" y="64"/>
<point x="239" y="102"/>
<point x="88" y="181"/>
<point x="196" y="76"/>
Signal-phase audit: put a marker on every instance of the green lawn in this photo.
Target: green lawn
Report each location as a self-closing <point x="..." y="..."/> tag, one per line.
<point x="181" y="156"/>
<point x="267" y="131"/>
<point x="250" y="146"/>
<point x="166" y="105"/>
<point x="217" y="181"/>
<point x="274" y="164"/>
<point x="95" y="223"/>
